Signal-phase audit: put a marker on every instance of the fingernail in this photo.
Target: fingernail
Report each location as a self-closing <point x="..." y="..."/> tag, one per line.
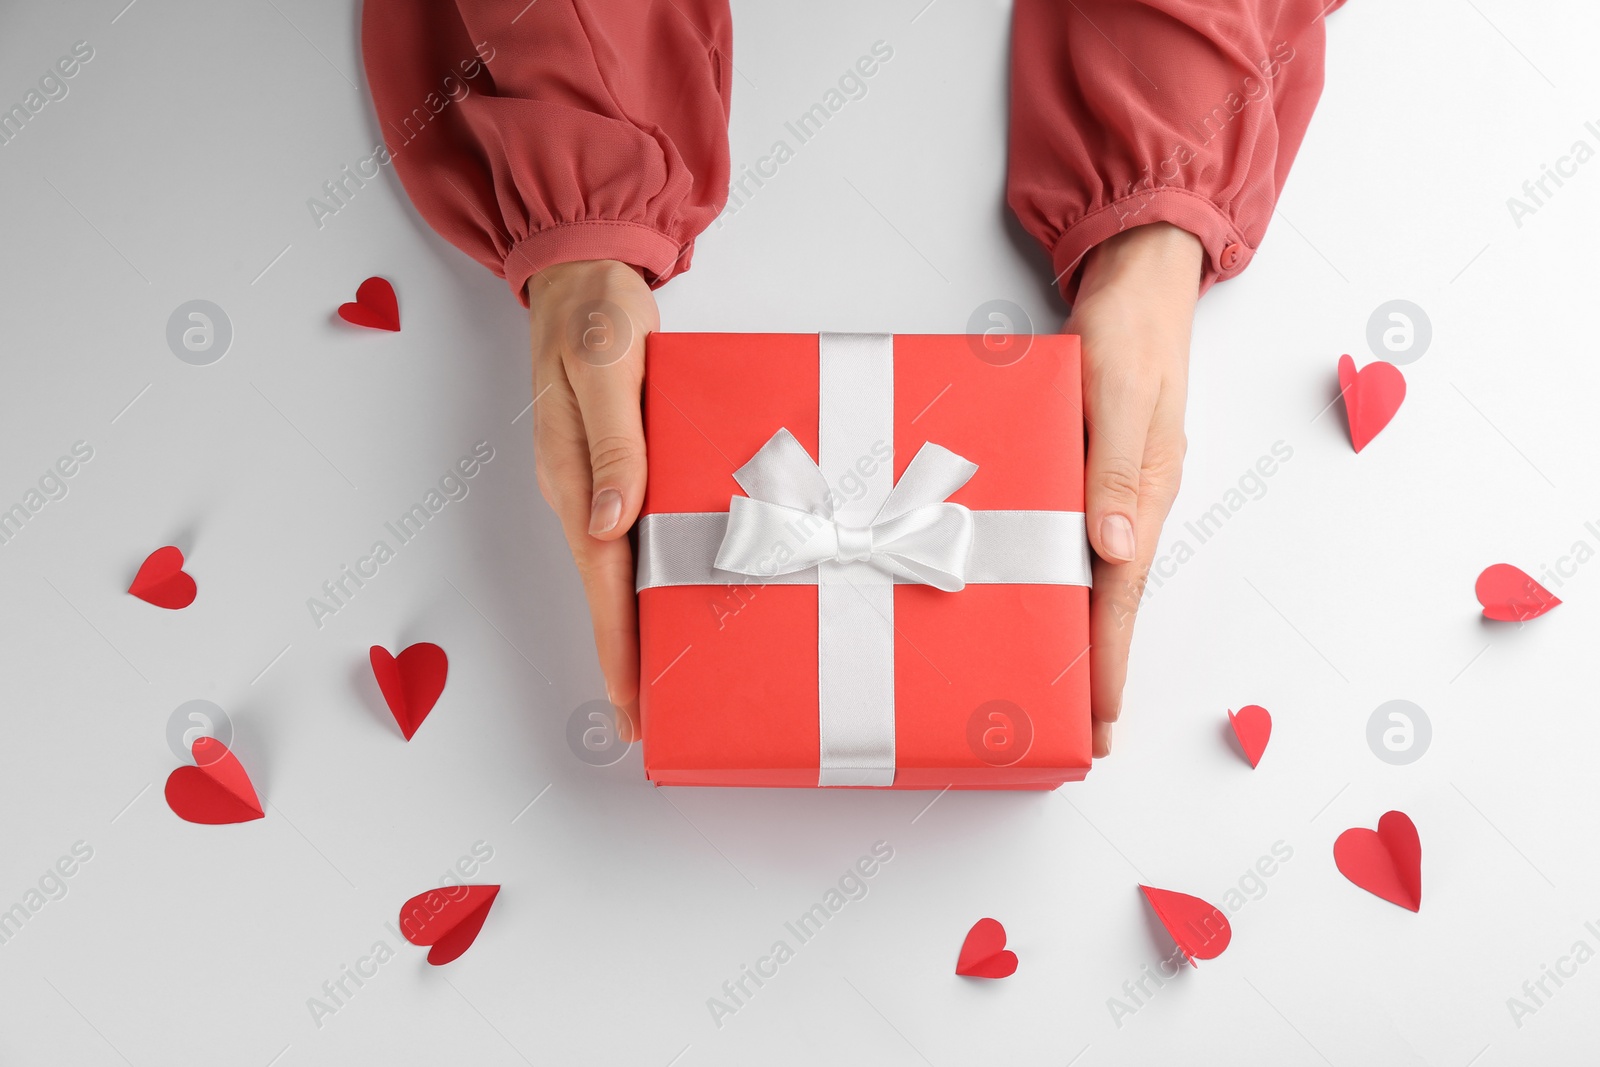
<point x="1116" y="534"/>
<point x="1108" y="742"/>
<point x="605" y="512"/>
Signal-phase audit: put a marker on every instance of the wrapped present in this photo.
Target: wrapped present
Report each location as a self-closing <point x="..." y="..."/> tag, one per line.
<point x="862" y="562"/>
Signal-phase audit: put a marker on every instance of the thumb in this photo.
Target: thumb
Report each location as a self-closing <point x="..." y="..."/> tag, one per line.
<point x="609" y="396"/>
<point x="1111" y="482"/>
<point x="617" y="464"/>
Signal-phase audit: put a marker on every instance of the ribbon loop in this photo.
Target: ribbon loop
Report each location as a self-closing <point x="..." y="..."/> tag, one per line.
<point x="781" y="472"/>
<point x="787" y="522"/>
<point x="932" y="475"/>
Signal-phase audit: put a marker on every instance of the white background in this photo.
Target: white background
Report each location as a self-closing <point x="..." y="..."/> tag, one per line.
<point x="179" y="167"/>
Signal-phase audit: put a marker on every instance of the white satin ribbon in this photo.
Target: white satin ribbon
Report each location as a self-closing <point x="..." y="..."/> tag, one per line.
<point x="788" y="523"/>
<point x="1008" y="548"/>
<point x="791" y="528"/>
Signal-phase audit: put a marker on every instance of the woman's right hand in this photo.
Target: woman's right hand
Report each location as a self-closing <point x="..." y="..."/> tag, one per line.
<point x="589" y="320"/>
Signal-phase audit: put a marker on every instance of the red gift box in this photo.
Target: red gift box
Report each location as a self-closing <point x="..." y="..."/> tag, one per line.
<point x="987" y="683"/>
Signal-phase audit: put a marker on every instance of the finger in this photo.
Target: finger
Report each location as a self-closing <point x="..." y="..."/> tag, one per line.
<point x="606" y="567"/>
<point x="1119" y="587"/>
<point x="1102" y="740"/>
<point x="605" y="364"/>
<point x="1117" y="409"/>
<point x="1113" y="609"/>
<point x="607" y="571"/>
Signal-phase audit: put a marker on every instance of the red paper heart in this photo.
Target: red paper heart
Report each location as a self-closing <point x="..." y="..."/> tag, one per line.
<point x="447" y="918"/>
<point x="1200" y="929"/>
<point x="375" y="306"/>
<point x="1509" y="595"/>
<point x="1387" y="863"/>
<point x="1371" y="397"/>
<point x="984" y="953"/>
<point x="216" y="790"/>
<point x="161" y="580"/>
<point x="1252" y="725"/>
<point x="411" y="682"/>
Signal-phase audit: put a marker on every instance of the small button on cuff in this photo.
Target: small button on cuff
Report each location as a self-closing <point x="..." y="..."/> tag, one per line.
<point x="1231" y="256"/>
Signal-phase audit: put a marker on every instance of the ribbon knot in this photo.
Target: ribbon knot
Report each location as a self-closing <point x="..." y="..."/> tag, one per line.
<point x="855" y="545"/>
<point x="786" y="522"/>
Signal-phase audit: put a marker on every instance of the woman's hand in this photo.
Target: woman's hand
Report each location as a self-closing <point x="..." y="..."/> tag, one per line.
<point x="1134" y="311"/>
<point x="589" y="320"/>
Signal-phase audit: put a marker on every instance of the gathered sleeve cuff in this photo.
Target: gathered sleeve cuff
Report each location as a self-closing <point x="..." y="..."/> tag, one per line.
<point x="534" y="134"/>
<point x="1129" y="112"/>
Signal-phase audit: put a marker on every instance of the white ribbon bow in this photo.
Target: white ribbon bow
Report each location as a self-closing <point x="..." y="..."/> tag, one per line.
<point x="786" y="523"/>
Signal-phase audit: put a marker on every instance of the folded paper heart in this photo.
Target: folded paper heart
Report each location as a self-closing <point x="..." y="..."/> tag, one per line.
<point x="161" y="580"/>
<point x="411" y="682"/>
<point x="375" y="306"/>
<point x="1252" y="725"/>
<point x="1371" y="397"/>
<point x="447" y="918"/>
<point x="1386" y="863"/>
<point x="1509" y="595"/>
<point x="1200" y="930"/>
<point x="216" y="790"/>
<point x="984" y="953"/>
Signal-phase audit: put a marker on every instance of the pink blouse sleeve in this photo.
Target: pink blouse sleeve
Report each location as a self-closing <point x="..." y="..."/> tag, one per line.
<point x="530" y="134"/>
<point x="1126" y="112"/>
